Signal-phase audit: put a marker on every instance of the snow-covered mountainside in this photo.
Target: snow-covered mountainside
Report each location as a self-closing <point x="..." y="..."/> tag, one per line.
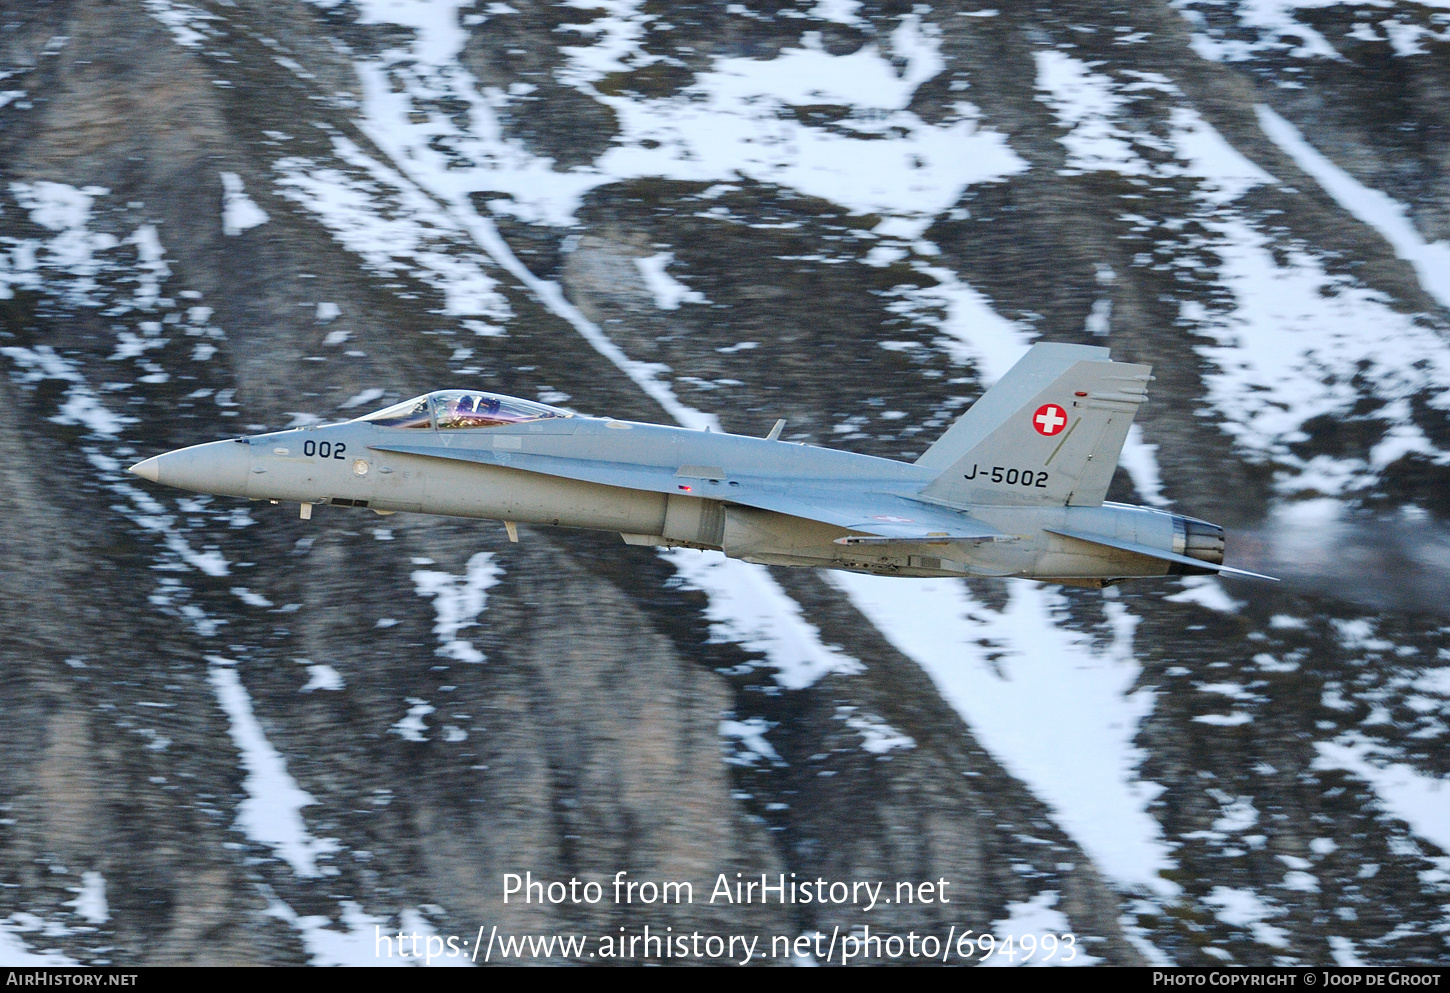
<point x="234" y="736"/>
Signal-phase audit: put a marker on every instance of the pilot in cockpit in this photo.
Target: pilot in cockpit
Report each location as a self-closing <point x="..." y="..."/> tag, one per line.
<point x="470" y="410"/>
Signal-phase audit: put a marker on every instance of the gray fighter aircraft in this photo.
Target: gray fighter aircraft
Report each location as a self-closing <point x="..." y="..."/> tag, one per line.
<point x="1014" y="488"/>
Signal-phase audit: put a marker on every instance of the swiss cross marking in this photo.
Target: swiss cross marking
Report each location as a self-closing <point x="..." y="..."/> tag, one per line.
<point x="1049" y="419"/>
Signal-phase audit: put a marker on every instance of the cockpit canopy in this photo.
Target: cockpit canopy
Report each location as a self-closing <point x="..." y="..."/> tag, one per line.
<point x="454" y="409"/>
<point x="466" y="409"/>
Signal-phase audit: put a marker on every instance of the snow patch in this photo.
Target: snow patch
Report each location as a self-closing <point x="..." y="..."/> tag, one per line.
<point x="411" y="726"/>
<point x="130" y="346"/>
<point x="668" y="292"/>
<point x="394" y="228"/>
<point x="15" y="952"/>
<point x="1292" y="343"/>
<point x="186" y="23"/>
<point x="354" y="939"/>
<point x="65" y="210"/>
<point x="1386" y="215"/>
<point x="90" y="902"/>
<point x="1037" y="919"/>
<point x="1225" y="720"/>
<point x="271" y="814"/>
<point x="239" y="213"/>
<point x="1242" y="907"/>
<point x="877" y="737"/>
<point x="1141" y="461"/>
<point x="323" y="677"/>
<point x="82" y="406"/>
<point x="740" y="118"/>
<point x="365" y="397"/>
<point x="1238" y="816"/>
<point x="1086" y="104"/>
<point x="1346" y="956"/>
<point x="747" y="606"/>
<point x="249" y="598"/>
<point x="458" y="600"/>
<point x="752" y="746"/>
<point x="710" y="131"/>
<point x="1056" y="707"/>
<point x="1224" y="172"/>
<point x="736" y="118"/>
<point x="840" y="11"/>
<point x="1422" y="801"/>
<point x="67" y="265"/>
<point x="1092" y="109"/>
<point x="972" y="332"/>
<point x="1263" y="26"/>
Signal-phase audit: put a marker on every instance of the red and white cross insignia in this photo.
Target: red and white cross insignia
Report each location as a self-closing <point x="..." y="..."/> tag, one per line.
<point x="1049" y="419"/>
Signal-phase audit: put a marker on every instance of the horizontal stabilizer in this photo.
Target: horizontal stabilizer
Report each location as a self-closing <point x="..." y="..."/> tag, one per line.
<point x="1157" y="553"/>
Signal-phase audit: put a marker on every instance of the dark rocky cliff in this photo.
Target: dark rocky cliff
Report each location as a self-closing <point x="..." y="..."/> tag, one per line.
<point x="222" y="217"/>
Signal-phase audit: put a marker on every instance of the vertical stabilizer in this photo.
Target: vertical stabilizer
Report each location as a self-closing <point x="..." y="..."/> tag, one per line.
<point x="1048" y="433"/>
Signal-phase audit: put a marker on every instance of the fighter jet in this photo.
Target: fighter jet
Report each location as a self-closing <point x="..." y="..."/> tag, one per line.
<point x="1014" y="488"/>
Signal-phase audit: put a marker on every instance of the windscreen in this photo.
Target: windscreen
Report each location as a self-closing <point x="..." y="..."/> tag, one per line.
<point x="408" y="414"/>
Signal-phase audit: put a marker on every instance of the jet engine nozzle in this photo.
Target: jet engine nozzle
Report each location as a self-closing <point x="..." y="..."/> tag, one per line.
<point x="1198" y="539"/>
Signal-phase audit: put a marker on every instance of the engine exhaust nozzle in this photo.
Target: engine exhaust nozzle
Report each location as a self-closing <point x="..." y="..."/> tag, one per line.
<point x="1198" y="539"/>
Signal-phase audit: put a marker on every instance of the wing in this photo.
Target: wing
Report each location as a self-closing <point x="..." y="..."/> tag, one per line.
<point x="881" y="517"/>
<point x="884" y="518"/>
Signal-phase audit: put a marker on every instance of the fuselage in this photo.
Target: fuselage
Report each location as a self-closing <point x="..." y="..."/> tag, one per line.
<point x="710" y="476"/>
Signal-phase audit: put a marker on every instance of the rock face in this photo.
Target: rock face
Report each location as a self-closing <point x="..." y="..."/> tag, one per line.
<point x="235" y="737"/>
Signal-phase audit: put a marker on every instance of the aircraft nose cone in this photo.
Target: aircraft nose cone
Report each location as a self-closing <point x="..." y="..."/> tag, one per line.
<point x="149" y="469"/>
<point x="220" y="467"/>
